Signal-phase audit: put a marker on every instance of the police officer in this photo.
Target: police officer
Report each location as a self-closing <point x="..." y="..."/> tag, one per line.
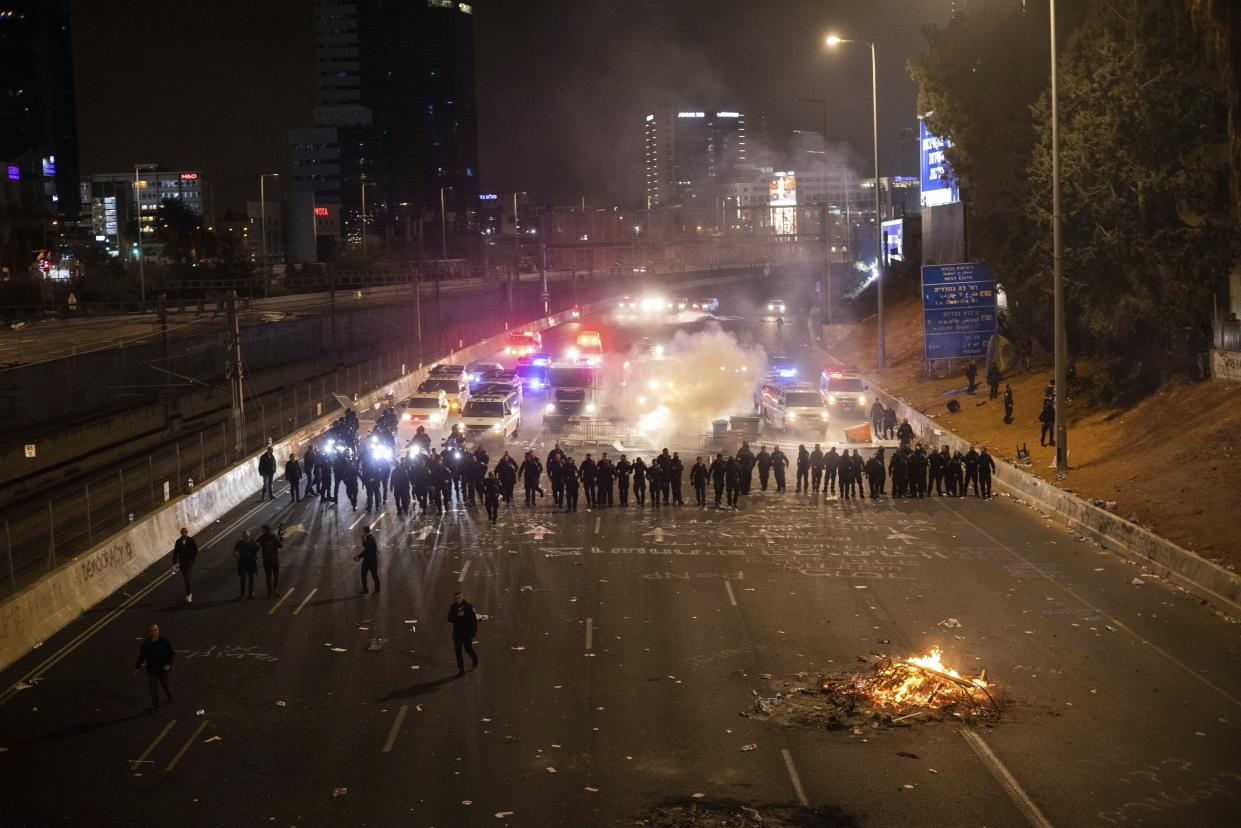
<point x="945" y="461"/>
<point x="858" y="465"/>
<point x="588" y="471"/>
<point x="506" y="471"/>
<point x="270" y="545"/>
<point x="816" y="468"/>
<point x="746" y="458"/>
<point x="917" y="471"/>
<point x="442" y="478"/>
<point x="624" y="470"/>
<point x="876" y="473"/>
<point x="369" y="556"/>
<point x="986" y="467"/>
<point x="267" y="471"/>
<point x="309" y="458"/>
<point x="531" y="469"/>
<point x="420" y="478"/>
<point x="639" y="481"/>
<point x="655" y="481"/>
<point x="719" y="470"/>
<point x="555" y="458"/>
<point x="246" y="552"/>
<point x="956" y="475"/>
<point x="351" y="483"/>
<point x="491" y="495"/>
<point x="293" y="474"/>
<point x="472" y="478"/>
<point x="1048" y="419"/>
<point x="936" y="462"/>
<point x="676" y="470"/>
<point x="732" y="480"/>
<point x="464" y="627"/>
<point x="604" y="474"/>
<point x="898" y="467"/>
<point x="803" y="469"/>
<point x="1008" y="404"/>
<point x="374" y="492"/>
<point x="568" y="470"/>
<point x="993" y="381"/>
<point x="905" y="433"/>
<point x="698" y="479"/>
<point x="779" y="462"/>
<point x="971" y="472"/>
<point x="831" y="465"/>
<point x="844" y="471"/>
<point x="665" y="466"/>
<point x="763" y="461"/>
<point x="400" y="485"/>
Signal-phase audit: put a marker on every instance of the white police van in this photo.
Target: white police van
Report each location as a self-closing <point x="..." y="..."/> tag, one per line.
<point x="496" y="416"/>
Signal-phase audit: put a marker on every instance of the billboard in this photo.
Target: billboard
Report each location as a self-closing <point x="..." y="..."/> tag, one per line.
<point x="939" y="185"/>
<point x="958" y="310"/>
<point x="782" y="196"/>
<point x="894" y="239"/>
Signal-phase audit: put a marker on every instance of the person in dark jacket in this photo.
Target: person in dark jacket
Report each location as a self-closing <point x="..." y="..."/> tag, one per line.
<point x="309" y="459"/>
<point x="1048" y="419"/>
<point x="732" y="481"/>
<point x="531" y="470"/>
<point x="400" y="485"/>
<point x="816" y="468"/>
<point x="156" y="654"/>
<point x="464" y="627"/>
<point x="831" y="467"/>
<point x="876" y="418"/>
<point x="655" y="481"/>
<point x="555" y="462"/>
<point x="293" y="474"/>
<point x="605" y="473"/>
<point x="936" y="461"/>
<point x="624" y="470"/>
<point x="676" y="471"/>
<point x="986" y="467"/>
<point x="246" y="551"/>
<point x="588" y="472"/>
<point x="746" y="458"/>
<point x="491" y="493"/>
<point x="971" y="472"/>
<point x="876" y="473"/>
<point x="844" y="475"/>
<point x="779" y="462"/>
<point x="905" y="433"/>
<point x="698" y="479"/>
<point x="639" y="481"/>
<point x="572" y="485"/>
<point x="269" y="545"/>
<point x="763" y="461"/>
<point x="889" y="423"/>
<point x="971" y="377"/>
<point x="898" y="467"/>
<point x="719" y="471"/>
<point x="506" y="472"/>
<point x="859" y="474"/>
<point x="184" y="553"/>
<point x="369" y="556"/>
<point x="993" y="381"/>
<point x="956" y="475"/>
<point x="267" y="471"/>
<point x="803" y="469"/>
<point x="1008" y="404"/>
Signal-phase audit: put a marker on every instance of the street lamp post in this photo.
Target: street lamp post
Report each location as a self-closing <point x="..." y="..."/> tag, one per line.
<point x="834" y="40"/>
<point x="142" y="271"/>
<point x="443" y="226"/>
<point x="263" y="226"/>
<point x="1057" y="255"/>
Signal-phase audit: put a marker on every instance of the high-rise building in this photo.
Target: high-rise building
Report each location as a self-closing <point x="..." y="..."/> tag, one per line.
<point x="38" y="118"/>
<point x="692" y="156"/>
<point x="396" y="113"/>
<point x="108" y="203"/>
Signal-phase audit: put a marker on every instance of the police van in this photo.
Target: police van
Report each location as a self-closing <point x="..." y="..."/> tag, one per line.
<point x="502" y="385"/>
<point x="843" y="391"/>
<point x="491" y="415"/>
<point x="451" y="379"/>
<point x="425" y="408"/>
<point x="793" y="406"/>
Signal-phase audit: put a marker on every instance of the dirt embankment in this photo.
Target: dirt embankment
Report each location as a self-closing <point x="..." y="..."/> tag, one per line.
<point x="1172" y="461"/>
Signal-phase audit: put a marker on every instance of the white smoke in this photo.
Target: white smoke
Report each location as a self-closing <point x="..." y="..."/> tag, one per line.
<point x="695" y="378"/>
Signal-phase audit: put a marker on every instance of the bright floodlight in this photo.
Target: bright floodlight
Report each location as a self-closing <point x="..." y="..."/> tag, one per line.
<point x="833" y="40"/>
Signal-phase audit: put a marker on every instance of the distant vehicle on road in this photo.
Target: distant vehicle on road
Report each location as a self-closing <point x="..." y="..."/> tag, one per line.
<point x="781" y="368"/>
<point x="800" y="405"/>
<point x="523" y="343"/>
<point x="707" y="305"/>
<point x="572" y="391"/>
<point x="587" y="348"/>
<point x="480" y="372"/>
<point x="491" y="415"/>
<point x="429" y="409"/>
<point x="452" y="381"/>
<point x="775" y="307"/>
<point x="843" y="390"/>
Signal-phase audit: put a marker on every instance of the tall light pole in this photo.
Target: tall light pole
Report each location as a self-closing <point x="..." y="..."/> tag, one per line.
<point x="263" y="223"/>
<point x="834" y="40"/>
<point x="443" y="225"/>
<point x="142" y="271"/>
<point x="827" y="284"/>
<point x="1057" y="255"/>
<point x="365" y="184"/>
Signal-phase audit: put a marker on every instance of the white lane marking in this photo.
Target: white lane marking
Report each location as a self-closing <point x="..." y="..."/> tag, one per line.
<point x="361" y="518"/>
<point x="464" y="569"/>
<point x="381" y="517"/>
<point x="422" y="533"/>
<point x="304" y="600"/>
<point x="134" y="763"/>
<point x="188" y="743"/>
<point x="1020" y="798"/>
<point x="283" y="598"/>
<point x="396" y="728"/>
<point x="1119" y="624"/>
<point x="598" y="521"/>
<point x="82" y="637"/>
<point x="732" y="596"/>
<point x="801" y="792"/>
<point x="590" y="633"/>
<point x="238" y="522"/>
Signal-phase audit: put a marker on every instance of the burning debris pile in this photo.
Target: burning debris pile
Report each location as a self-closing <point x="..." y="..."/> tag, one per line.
<point x="893" y="691"/>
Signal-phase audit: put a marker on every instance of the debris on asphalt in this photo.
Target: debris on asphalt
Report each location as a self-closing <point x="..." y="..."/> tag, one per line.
<point x="592" y="790"/>
<point x="904" y="754"/>
<point x="750" y="746"/>
<point x="1138" y="582"/>
<point x="339" y="792"/>
<point x="339" y="650"/>
<point x="481" y="617"/>
<point x="212" y="739"/>
<point x="950" y="623"/>
<point x="37" y="646"/>
<point x="281" y="704"/>
<point x="377" y="644"/>
<point x="517" y="649"/>
<point x="551" y="770"/>
<point x="527" y="588"/>
<point x="503" y="814"/>
<point x="200" y="712"/>
<point x="23" y="685"/>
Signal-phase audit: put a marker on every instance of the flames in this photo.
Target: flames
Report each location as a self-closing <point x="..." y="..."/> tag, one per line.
<point x="897" y="685"/>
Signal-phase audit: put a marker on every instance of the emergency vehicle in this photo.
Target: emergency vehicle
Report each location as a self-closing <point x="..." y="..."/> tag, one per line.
<point x="843" y="390"/>
<point x="793" y="406"/>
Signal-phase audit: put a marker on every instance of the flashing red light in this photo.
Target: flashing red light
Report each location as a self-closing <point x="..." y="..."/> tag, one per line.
<point x="837" y="374"/>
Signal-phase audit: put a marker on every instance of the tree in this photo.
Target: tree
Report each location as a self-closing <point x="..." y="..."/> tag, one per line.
<point x="180" y="230"/>
<point x="1144" y="187"/>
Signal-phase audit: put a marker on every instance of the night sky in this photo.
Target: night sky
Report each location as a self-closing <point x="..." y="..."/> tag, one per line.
<point x="562" y="84"/>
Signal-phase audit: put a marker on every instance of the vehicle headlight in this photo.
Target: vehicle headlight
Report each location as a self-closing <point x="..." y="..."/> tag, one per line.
<point x="861" y="400"/>
<point x="498" y="427"/>
<point x="822" y="415"/>
<point x="550" y="408"/>
<point x="653" y="384"/>
<point x="590" y="408"/>
<point x="792" y="415"/>
<point x="406" y="416"/>
<point x="831" y="400"/>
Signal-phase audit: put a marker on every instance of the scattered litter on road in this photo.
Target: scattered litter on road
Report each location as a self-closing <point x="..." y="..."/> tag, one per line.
<point x="212" y="739"/>
<point x="698" y="795"/>
<point x="37" y="646"/>
<point x="415" y="667"/>
<point x="551" y="770"/>
<point x="339" y="792"/>
<point x="932" y="770"/>
<point x="517" y="649"/>
<point x="908" y="787"/>
<point x="23" y="685"/>
<point x="200" y="712"/>
<point x="281" y="704"/>
<point x="1199" y="733"/>
<point x="750" y="746"/>
<point x="906" y="754"/>
<point x="503" y="814"/>
<point x="467" y="802"/>
<point x="860" y="586"/>
<point x="1138" y="582"/>
<point x="950" y="623"/>
<point x="364" y="629"/>
<point x="339" y="650"/>
<point x="411" y="620"/>
<point x="527" y="588"/>
<point x="1110" y="628"/>
<point x="592" y="790"/>
<point x="481" y="617"/>
<point x="417" y="708"/>
<point x="377" y="644"/>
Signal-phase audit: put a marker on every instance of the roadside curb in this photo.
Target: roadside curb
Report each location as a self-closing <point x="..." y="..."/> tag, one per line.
<point x="1207" y="581"/>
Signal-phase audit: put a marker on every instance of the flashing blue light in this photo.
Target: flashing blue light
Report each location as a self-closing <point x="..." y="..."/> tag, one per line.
<point x="786" y="373"/>
<point x="536" y="384"/>
<point x="541" y="361"/>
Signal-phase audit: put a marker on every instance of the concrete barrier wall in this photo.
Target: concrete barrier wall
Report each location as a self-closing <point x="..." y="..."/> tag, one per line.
<point x="1205" y="580"/>
<point x="58" y="598"/>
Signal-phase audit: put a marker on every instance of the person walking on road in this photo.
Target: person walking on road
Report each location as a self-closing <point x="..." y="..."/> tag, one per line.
<point x="816" y="467"/>
<point x="639" y="481"/>
<point x="719" y="470"/>
<point x="993" y="381"/>
<point x="267" y="471"/>
<point x="803" y="470"/>
<point x="971" y="376"/>
<point x="971" y="472"/>
<point x="293" y="474"/>
<point x="831" y="467"/>
<point x="246" y="551"/>
<point x="624" y="470"/>
<point x="876" y="418"/>
<point x="676" y="470"/>
<point x="986" y="467"/>
<point x="746" y="458"/>
<point x="572" y="486"/>
<point x="464" y="627"/>
<point x="156" y="654"/>
<point x="698" y="479"/>
<point x="184" y="553"/>
<point x="587" y="472"/>
<point x="369" y="556"/>
<point x="269" y="545"/>
<point x="1048" y="419"/>
<point x="1008" y="404"/>
<point x="491" y="494"/>
<point x="732" y="481"/>
<point x="763" y="461"/>
<point x="779" y="462"/>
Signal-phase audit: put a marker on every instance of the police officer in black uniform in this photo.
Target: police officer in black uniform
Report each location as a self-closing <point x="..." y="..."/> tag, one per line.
<point x="624" y="470"/>
<point x="698" y="479"/>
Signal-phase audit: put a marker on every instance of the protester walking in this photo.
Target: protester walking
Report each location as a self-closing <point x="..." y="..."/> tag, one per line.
<point x="156" y="654"/>
<point x="269" y="545"/>
<point x="293" y="474"/>
<point x="1008" y="404"/>
<point x="184" y="553"/>
<point x="369" y="556"/>
<point x="993" y="381"/>
<point x="267" y="471"/>
<point x="464" y="627"/>
<point x="246" y="551"/>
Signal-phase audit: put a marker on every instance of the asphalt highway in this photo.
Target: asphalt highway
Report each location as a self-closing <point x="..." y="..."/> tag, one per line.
<point x="620" y="648"/>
